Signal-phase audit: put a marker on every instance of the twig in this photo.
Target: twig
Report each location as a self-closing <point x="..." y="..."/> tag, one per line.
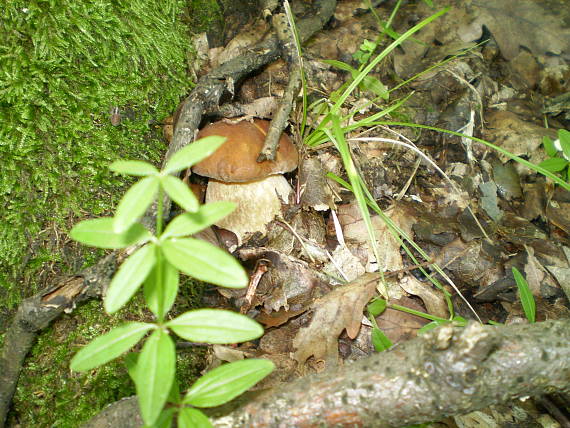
<point x="284" y="29"/>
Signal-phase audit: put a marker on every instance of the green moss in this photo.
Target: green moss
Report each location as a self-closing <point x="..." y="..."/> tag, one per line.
<point x="63" y="65"/>
<point x="49" y="394"/>
<point x="204" y="14"/>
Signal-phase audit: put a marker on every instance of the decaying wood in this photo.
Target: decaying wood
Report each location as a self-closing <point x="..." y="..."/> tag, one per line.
<point x="448" y="371"/>
<point x="35" y="313"/>
<point x="205" y="97"/>
<point x="294" y="65"/>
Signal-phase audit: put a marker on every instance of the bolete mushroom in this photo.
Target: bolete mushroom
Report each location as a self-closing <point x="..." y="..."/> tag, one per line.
<point x="258" y="188"/>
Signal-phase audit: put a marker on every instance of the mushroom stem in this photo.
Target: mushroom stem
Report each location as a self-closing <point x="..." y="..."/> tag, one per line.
<point x="258" y="202"/>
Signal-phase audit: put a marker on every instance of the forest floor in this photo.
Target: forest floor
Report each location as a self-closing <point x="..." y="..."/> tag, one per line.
<point x="474" y="213"/>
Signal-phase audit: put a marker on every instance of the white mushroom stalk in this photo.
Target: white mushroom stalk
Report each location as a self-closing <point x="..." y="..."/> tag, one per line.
<point x="258" y="202"/>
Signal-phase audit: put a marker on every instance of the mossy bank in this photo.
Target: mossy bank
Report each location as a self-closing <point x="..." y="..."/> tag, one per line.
<point x="65" y="67"/>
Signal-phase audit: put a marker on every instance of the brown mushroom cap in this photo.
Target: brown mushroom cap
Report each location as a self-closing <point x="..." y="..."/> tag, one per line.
<point x="236" y="160"/>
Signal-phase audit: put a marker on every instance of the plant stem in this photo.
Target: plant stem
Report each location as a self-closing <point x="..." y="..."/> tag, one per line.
<point x="159" y="279"/>
<point x="417" y="313"/>
<point x="160" y="284"/>
<point x="159" y="213"/>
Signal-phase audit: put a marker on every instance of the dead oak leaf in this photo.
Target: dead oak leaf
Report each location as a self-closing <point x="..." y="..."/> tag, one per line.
<point x="513" y="24"/>
<point x="340" y="309"/>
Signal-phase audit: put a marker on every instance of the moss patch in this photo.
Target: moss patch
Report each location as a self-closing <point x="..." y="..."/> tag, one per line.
<point x="49" y="394"/>
<point x="65" y="65"/>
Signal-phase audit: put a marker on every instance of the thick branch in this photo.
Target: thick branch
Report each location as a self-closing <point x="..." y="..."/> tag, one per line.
<point x="35" y="313"/>
<point x="448" y="371"/>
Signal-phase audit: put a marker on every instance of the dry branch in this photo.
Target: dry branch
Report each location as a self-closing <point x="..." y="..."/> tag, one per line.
<point x="35" y="313"/>
<point x="448" y="371"/>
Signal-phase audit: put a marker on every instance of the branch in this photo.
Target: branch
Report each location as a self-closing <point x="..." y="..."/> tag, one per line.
<point x="35" y="313"/>
<point x="445" y="372"/>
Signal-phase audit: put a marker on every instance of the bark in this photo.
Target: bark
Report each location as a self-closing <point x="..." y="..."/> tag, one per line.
<point x="35" y="313"/>
<point x="448" y="371"/>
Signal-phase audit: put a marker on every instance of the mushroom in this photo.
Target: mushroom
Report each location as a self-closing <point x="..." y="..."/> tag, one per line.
<point x="257" y="188"/>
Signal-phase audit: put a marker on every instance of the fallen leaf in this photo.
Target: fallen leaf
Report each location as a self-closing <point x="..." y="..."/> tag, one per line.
<point x="315" y="191"/>
<point x="433" y="299"/>
<point x="355" y="231"/>
<point x="513" y="24"/>
<point x="340" y="309"/>
<point x="534" y="272"/>
<point x="400" y="326"/>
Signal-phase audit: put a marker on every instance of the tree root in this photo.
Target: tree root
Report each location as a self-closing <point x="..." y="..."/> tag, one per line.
<point x="448" y="371"/>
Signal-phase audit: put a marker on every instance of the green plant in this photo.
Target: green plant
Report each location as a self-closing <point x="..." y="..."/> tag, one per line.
<point x="527" y="299"/>
<point x="375" y="308"/>
<point x="379" y="305"/>
<point x="156" y="264"/>
<point x="559" y="154"/>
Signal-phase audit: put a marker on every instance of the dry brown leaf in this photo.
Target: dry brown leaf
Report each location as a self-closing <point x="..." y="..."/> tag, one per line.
<point x="290" y="283"/>
<point x="514" y="23"/>
<point x="341" y="309"/>
<point x="400" y="326"/>
<point x="534" y="272"/>
<point x="239" y="44"/>
<point x="275" y="319"/>
<point x="516" y="135"/>
<point x="354" y="230"/>
<point x="433" y="299"/>
<point x="344" y="264"/>
<point x="315" y="191"/>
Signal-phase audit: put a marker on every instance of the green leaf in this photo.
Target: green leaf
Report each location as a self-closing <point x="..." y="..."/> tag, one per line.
<point x="554" y="164"/>
<point x="205" y="262"/>
<point x="458" y="320"/>
<point x="215" y="326"/>
<point x="377" y="306"/>
<point x="340" y="65"/>
<point x="164" y="419"/>
<point x="155" y="374"/>
<point x="190" y="223"/>
<point x="549" y="147"/>
<point x="380" y="340"/>
<point x="527" y="299"/>
<point x="564" y="138"/>
<point x="109" y="346"/>
<point x="374" y="85"/>
<point x="174" y="395"/>
<point x="130" y="361"/>
<point x="179" y="192"/>
<point x="100" y="233"/>
<point x="160" y="288"/>
<point x="135" y="202"/>
<point x="133" y="167"/>
<point x="193" y="418"/>
<point x="227" y="382"/>
<point x="193" y="153"/>
<point x="430" y="326"/>
<point x="129" y="277"/>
